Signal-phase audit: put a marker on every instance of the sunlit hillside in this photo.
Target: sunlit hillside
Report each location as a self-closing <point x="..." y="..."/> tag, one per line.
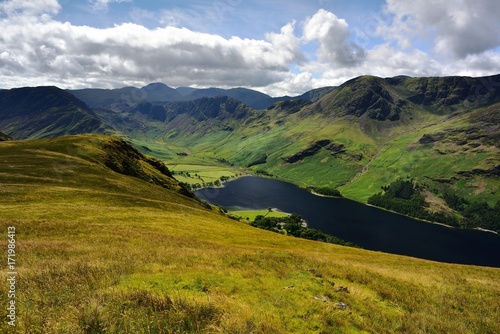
<point x="100" y="251"/>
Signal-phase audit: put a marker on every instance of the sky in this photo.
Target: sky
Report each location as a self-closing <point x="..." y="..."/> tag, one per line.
<point x="277" y="47"/>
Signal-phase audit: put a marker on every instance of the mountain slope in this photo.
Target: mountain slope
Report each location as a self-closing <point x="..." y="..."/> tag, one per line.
<point x="130" y="256"/>
<point x="4" y="137"/>
<point x="161" y="93"/>
<point x="46" y="112"/>
<point x="251" y="98"/>
<point x="435" y="130"/>
<point x="357" y="137"/>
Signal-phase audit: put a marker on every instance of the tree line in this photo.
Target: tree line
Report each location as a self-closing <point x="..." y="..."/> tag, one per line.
<point x="294" y="225"/>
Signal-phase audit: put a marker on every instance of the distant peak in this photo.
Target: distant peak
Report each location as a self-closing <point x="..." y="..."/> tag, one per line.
<point x="156" y="85"/>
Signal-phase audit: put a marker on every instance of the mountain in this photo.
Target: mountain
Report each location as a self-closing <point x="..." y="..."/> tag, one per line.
<point x="315" y="94"/>
<point x="196" y="117"/>
<point x="37" y="112"/>
<point x="160" y="93"/>
<point x="251" y="98"/>
<point x="358" y="137"/>
<point x="155" y="92"/>
<point x="130" y="256"/>
<point x="185" y="90"/>
<point x="4" y="137"/>
<point x="98" y="96"/>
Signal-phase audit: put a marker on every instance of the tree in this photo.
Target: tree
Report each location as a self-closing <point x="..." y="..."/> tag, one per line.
<point x="269" y="210"/>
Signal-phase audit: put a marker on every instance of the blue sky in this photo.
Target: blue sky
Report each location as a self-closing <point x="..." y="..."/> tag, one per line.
<point x="278" y="47"/>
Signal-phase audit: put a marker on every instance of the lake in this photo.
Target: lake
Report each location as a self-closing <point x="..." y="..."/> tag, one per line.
<point x="366" y="226"/>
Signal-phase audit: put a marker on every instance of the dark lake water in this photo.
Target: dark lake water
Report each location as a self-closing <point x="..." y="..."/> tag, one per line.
<point x="363" y="225"/>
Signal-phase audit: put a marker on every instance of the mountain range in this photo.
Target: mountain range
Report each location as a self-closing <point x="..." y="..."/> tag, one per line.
<point x="159" y="93"/>
<point x="358" y="137"/>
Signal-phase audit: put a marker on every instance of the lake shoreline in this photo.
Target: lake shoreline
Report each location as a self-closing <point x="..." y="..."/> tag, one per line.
<point x="350" y="199"/>
<point x="366" y="225"/>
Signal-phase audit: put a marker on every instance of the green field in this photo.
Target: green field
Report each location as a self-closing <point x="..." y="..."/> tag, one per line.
<point x="251" y="214"/>
<point x="200" y="174"/>
<point x="102" y="252"/>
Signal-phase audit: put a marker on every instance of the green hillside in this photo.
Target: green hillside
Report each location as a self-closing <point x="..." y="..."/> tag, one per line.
<point x="100" y="251"/>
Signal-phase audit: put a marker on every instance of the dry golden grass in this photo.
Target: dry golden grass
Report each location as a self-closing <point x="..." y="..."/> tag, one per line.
<point x="101" y="252"/>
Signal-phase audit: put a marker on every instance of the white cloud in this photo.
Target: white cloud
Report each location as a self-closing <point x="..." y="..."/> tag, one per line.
<point x="333" y="37"/>
<point x="132" y="53"/>
<point x="456" y="28"/>
<point x="36" y="49"/>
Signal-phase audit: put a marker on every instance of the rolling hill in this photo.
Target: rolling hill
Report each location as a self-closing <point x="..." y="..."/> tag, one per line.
<point x="102" y="247"/>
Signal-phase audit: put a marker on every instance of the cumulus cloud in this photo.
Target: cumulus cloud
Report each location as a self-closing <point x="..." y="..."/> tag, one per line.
<point x="133" y="53"/>
<point x="456" y="28"/>
<point x="37" y="49"/>
<point x="333" y="37"/>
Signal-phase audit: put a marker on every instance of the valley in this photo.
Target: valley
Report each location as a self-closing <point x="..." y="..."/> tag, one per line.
<point x="250" y="167"/>
<point x="435" y="131"/>
<point x="442" y="133"/>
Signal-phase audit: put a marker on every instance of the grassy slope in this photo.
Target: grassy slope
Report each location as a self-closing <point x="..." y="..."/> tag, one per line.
<point x="100" y="251"/>
<point x="403" y="156"/>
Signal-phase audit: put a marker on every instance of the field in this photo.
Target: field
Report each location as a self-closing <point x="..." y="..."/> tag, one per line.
<point x="200" y="174"/>
<point x="102" y="252"/>
<point x="251" y="214"/>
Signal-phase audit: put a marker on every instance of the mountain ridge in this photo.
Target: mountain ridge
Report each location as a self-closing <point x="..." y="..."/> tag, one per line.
<point x="161" y="93"/>
<point x="37" y="112"/>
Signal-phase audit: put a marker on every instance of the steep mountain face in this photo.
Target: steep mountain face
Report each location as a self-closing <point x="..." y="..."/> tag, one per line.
<point x="315" y="94"/>
<point x="189" y="117"/>
<point x="392" y="98"/>
<point x="364" y="95"/>
<point x="46" y="112"/>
